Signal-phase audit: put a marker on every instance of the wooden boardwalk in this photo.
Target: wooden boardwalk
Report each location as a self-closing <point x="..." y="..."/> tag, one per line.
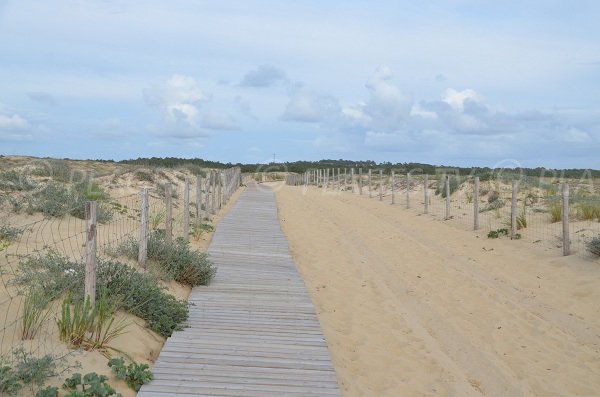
<point x="253" y="332"/>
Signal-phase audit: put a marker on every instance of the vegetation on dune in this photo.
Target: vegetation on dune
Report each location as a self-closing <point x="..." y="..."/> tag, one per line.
<point x="454" y="183"/>
<point x="8" y="234"/>
<point x="13" y="180"/>
<point x="175" y="259"/>
<point x="593" y="246"/>
<point x="24" y="370"/>
<point x="57" y="200"/>
<point x="134" y="374"/>
<point x="136" y="292"/>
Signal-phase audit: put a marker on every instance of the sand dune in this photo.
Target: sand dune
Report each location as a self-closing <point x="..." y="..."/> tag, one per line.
<point x="412" y="306"/>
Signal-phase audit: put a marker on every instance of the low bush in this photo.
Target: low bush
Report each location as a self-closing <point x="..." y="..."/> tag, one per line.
<point x="91" y="327"/>
<point x="9" y="233"/>
<point x="88" y="385"/>
<point x="26" y="371"/>
<point x="589" y="209"/>
<point x="160" y="189"/>
<point x="593" y="246"/>
<point x="494" y="205"/>
<point x="195" y="169"/>
<point x="59" y="171"/>
<point x="454" y="183"/>
<point x="494" y="196"/>
<point x="16" y="181"/>
<point x="140" y="295"/>
<point x="57" y="200"/>
<point x="134" y="374"/>
<point x="34" y="312"/>
<point x="555" y="211"/>
<point x="199" y="229"/>
<point x="497" y="233"/>
<point x="144" y="175"/>
<point x="174" y="258"/>
<point x="137" y="293"/>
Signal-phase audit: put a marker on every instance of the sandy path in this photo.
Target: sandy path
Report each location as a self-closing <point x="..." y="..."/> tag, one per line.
<point x="411" y="306"/>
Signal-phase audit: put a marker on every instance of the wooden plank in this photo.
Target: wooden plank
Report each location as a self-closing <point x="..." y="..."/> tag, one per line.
<point x="253" y="332"/>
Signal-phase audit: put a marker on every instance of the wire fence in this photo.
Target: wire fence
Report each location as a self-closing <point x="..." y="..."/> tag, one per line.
<point x="515" y="206"/>
<point x="45" y="258"/>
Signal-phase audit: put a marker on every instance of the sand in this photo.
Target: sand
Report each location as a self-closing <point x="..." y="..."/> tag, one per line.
<point x="413" y="306"/>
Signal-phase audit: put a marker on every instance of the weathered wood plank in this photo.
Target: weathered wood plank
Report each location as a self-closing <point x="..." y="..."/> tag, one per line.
<point x="253" y="332"/>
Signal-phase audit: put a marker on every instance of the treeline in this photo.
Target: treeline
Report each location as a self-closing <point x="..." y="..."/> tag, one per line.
<point x="416" y="168"/>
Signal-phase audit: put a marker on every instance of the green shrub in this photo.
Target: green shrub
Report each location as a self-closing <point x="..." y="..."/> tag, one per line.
<point x="144" y="175"/>
<point x="59" y="170"/>
<point x="494" y="205"/>
<point x="9" y="233"/>
<point x="555" y="211"/>
<point x="593" y="246"/>
<point x="52" y="273"/>
<point x="54" y="200"/>
<point x="140" y="295"/>
<point x="89" y="385"/>
<point x="15" y="181"/>
<point x="137" y="293"/>
<point x="57" y="200"/>
<point x="497" y="233"/>
<point x="26" y="370"/>
<point x="90" y="326"/>
<point x="522" y="220"/>
<point x="175" y="259"/>
<point x="25" y="202"/>
<point x="454" y="183"/>
<point x="34" y="313"/>
<point x="160" y="189"/>
<point x="134" y="374"/>
<point x="589" y="208"/>
<point x="195" y="169"/>
<point x="199" y="229"/>
<point x="493" y="196"/>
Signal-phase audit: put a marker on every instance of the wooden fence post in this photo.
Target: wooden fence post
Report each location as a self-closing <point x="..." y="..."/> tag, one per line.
<point x="90" y="251"/>
<point x="186" y="209"/>
<point x="169" y="212"/>
<point x="380" y="185"/>
<point x="408" y="190"/>
<point x="476" y="204"/>
<point x="565" y="220"/>
<point x="352" y="179"/>
<point x="513" y="211"/>
<point x="143" y="243"/>
<point x="447" y="196"/>
<point x="393" y="188"/>
<point x="345" y="178"/>
<point x="207" y="196"/>
<point x="426" y="193"/>
<point x="370" y="185"/>
<point x="360" y="189"/>
<point x="213" y="201"/>
<point x="198" y="200"/>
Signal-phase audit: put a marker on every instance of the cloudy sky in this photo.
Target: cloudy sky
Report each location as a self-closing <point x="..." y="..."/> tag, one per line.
<point x="461" y="82"/>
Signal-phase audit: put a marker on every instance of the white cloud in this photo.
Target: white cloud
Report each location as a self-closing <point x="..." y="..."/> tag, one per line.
<point x="14" y="128"/>
<point x="457" y="99"/>
<point x="310" y="108"/>
<point x="179" y="97"/>
<point x="387" y="103"/>
<point x="418" y="111"/>
<point x="13" y="123"/>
